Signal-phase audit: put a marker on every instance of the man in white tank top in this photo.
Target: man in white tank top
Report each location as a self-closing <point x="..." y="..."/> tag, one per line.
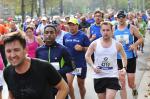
<point x="105" y="68"/>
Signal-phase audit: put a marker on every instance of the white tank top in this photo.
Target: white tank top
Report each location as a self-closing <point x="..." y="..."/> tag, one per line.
<point x="106" y="60"/>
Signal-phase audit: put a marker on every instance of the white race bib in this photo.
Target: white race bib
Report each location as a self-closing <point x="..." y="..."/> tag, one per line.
<point x="56" y="65"/>
<point x="77" y="71"/>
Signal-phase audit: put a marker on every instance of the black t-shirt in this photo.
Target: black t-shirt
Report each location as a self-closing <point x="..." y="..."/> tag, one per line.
<point x="35" y="83"/>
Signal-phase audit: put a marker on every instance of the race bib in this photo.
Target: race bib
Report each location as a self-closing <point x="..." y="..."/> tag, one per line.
<point x="105" y="64"/>
<point x="77" y="71"/>
<point x="123" y="39"/>
<point x="56" y="65"/>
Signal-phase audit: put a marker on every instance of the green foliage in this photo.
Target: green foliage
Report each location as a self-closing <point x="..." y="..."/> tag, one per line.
<point x="73" y="6"/>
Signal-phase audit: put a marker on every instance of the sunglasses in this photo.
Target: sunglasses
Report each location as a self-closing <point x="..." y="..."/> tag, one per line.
<point x="119" y="17"/>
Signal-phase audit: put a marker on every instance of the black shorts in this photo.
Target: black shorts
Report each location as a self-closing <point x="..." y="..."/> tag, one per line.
<point x="101" y="84"/>
<point x="131" y="65"/>
<point x="1" y="88"/>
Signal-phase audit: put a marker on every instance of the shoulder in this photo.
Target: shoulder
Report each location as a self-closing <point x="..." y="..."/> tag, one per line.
<point x="41" y="48"/>
<point x="40" y="64"/>
<point x="7" y="72"/>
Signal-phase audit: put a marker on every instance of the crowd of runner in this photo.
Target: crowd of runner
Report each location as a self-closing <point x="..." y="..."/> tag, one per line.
<point x="107" y="42"/>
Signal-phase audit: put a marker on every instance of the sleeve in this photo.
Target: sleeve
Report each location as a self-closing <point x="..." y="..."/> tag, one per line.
<point x="5" y="75"/>
<point x="36" y="53"/>
<point x="86" y="41"/>
<point x="52" y="75"/>
<point x="66" y="62"/>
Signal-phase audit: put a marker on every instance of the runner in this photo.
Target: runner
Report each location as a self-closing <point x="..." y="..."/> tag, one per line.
<point x="77" y="43"/>
<point x="106" y="83"/>
<point x="94" y="30"/>
<point x="33" y="42"/>
<point x="55" y="53"/>
<point x="28" y="78"/>
<point x="125" y="33"/>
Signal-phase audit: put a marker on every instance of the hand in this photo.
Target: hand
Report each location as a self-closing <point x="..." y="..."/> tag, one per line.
<point x="78" y="47"/>
<point x="93" y="36"/>
<point x="122" y="72"/>
<point x="133" y="47"/>
<point x="96" y="69"/>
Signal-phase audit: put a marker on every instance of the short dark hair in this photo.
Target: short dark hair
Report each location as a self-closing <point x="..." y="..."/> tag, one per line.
<point x="100" y="12"/>
<point x="19" y="36"/>
<point x="50" y="25"/>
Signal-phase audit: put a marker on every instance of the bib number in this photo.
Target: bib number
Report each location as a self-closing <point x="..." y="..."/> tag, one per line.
<point x="55" y="65"/>
<point x="77" y="71"/>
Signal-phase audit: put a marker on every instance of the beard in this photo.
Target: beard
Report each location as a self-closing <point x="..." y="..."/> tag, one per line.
<point x="20" y="63"/>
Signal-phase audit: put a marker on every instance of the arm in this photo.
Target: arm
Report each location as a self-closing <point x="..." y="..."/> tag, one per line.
<point x="84" y="46"/>
<point x="63" y="89"/>
<point x="10" y="96"/>
<point x="66" y="62"/>
<point x="136" y="33"/>
<point x="88" y="58"/>
<point x="123" y="55"/>
<point x="39" y="40"/>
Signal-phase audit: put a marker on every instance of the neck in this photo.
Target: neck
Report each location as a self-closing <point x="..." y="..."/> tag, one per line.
<point x="75" y="32"/>
<point x="24" y="67"/>
<point x="106" y="42"/>
<point x="31" y="36"/>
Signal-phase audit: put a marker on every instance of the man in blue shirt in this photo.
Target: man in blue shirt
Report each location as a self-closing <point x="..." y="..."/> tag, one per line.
<point x="94" y="30"/>
<point x="77" y="42"/>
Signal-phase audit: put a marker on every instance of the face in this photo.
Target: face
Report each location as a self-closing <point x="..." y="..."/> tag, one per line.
<point x="106" y="32"/>
<point x="29" y="32"/>
<point x="15" y="53"/>
<point x="139" y="18"/>
<point x="122" y="20"/>
<point x="98" y="18"/>
<point x="73" y="28"/>
<point x="49" y="35"/>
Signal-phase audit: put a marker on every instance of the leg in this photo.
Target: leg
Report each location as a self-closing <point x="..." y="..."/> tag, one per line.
<point x="131" y="80"/>
<point x="81" y="84"/>
<point x="123" y="91"/>
<point x="1" y="94"/>
<point x="110" y="93"/>
<point x="70" y="79"/>
<point x="131" y="76"/>
<point x="101" y="95"/>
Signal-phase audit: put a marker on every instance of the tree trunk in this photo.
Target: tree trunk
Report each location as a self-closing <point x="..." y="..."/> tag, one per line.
<point x="32" y="7"/>
<point x="23" y="10"/>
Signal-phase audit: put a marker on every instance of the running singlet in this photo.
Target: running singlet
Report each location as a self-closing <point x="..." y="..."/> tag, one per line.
<point x="105" y="60"/>
<point x="126" y="39"/>
<point x="31" y="48"/>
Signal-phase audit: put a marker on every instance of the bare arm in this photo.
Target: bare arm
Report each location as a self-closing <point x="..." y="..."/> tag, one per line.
<point x="136" y="33"/>
<point x="62" y="89"/>
<point x="10" y="96"/>
<point x="39" y="40"/>
<point x="89" y="53"/>
<point x="123" y="55"/>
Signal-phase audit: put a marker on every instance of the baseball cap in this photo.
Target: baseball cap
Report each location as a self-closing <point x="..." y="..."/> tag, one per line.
<point x="74" y="21"/>
<point x="121" y="14"/>
<point x="44" y="18"/>
<point x="56" y="22"/>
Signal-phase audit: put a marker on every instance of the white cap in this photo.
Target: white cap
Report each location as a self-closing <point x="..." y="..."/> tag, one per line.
<point x="28" y="20"/>
<point x="44" y="18"/>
